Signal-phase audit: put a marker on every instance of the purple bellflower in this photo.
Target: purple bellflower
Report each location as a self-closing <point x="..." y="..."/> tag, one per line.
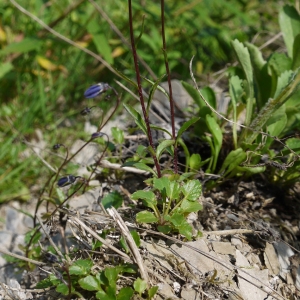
<point x="96" y="90"/>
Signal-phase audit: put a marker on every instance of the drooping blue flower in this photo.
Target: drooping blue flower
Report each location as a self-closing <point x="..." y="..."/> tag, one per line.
<point x="67" y="180"/>
<point x="96" y="90"/>
<point x="56" y="146"/>
<point x="97" y="134"/>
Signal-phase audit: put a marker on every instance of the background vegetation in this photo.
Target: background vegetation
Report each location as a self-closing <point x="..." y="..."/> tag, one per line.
<point x="42" y="78"/>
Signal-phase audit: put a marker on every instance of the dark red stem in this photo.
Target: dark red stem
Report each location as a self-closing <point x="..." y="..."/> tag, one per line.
<point x="140" y="90"/>
<point x="169" y="83"/>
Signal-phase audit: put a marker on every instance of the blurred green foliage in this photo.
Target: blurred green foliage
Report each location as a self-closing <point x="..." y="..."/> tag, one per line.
<point x="42" y="78"/>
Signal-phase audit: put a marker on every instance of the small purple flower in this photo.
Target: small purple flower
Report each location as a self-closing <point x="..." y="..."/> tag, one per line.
<point x="96" y="90"/>
<point x="97" y="134"/>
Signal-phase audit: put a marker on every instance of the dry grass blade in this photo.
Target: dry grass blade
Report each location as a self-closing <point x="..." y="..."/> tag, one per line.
<point x="132" y="246"/>
<point x="79" y="223"/>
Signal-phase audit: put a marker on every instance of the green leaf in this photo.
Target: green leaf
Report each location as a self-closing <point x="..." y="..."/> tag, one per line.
<point x="160" y="129"/>
<point x="161" y="89"/>
<point x="152" y="291"/>
<point x="180" y="223"/>
<point x="243" y="57"/>
<point x="152" y="90"/>
<point x="81" y="267"/>
<point x="174" y="190"/>
<point x="140" y="285"/>
<point x="195" y="162"/>
<point x="250" y="170"/>
<point x="148" y="197"/>
<point x="24" y="46"/>
<point x="216" y="132"/>
<point x="261" y="77"/>
<point x="294" y="144"/>
<point x="127" y="79"/>
<point x="289" y="21"/>
<point x="277" y="127"/>
<point x="103" y="47"/>
<point x="118" y="135"/>
<point x="236" y="92"/>
<point x="128" y="268"/>
<point x="101" y="295"/>
<point x="43" y="284"/>
<point x="188" y="206"/>
<point x="210" y="96"/>
<point x="114" y="199"/>
<point x="233" y="159"/>
<point x="162" y="147"/>
<point x="277" y="64"/>
<point x="137" y="118"/>
<point x="141" y="150"/>
<point x="296" y="53"/>
<point x="192" y="190"/>
<point x="257" y="59"/>
<point x="90" y="283"/>
<point x="125" y="293"/>
<point x="63" y="289"/>
<point x="124" y="245"/>
<point x="136" y="237"/>
<point x="100" y="40"/>
<point x="164" y="228"/>
<point x="111" y="274"/>
<point x="185" y="126"/>
<point x="161" y="184"/>
<point x="283" y="81"/>
<point x="146" y="217"/>
<point x="193" y="93"/>
<point x="5" y="68"/>
<point x="272" y="105"/>
<point x="144" y="167"/>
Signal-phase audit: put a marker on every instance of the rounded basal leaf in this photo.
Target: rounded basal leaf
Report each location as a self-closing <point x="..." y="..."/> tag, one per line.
<point x="111" y="274"/>
<point x="195" y="161"/>
<point x="81" y="267"/>
<point x="90" y="283"/>
<point x="125" y="293"/>
<point x="146" y="217"/>
<point x="190" y="206"/>
<point x="63" y="289"/>
<point x="161" y="184"/>
<point x="114" y="199"/>
<point x="181" y="224"/>
<point x="140" y="285"/>
<point x="144" y="195"/>
<point x="152" y="291"/>
<point x="164" y="228"/>
<point x="192" y="190"/>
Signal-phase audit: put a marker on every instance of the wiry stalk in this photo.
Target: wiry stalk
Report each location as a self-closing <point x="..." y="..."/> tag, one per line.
<point x="169" y="83"/>
<point x="140" y="91"/>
